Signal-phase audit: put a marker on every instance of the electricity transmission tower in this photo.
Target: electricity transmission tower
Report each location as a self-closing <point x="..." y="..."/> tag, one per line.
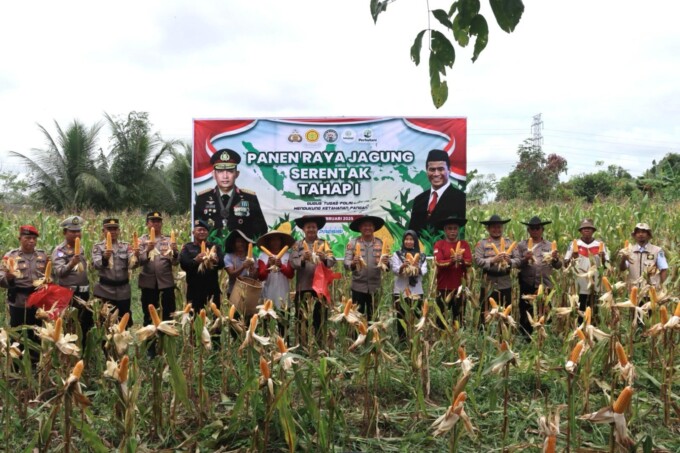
<point x="536" y="128"/>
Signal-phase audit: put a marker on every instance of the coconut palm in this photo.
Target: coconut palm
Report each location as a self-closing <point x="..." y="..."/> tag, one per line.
<point x="65" y="175"/>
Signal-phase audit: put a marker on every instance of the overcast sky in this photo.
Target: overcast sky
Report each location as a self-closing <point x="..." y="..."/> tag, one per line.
<point x="604" y="74"/>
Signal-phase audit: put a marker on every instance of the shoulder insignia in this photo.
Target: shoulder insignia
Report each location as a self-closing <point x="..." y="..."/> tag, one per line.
<point x="247" y="191"/>
<point x="203" y="192"/>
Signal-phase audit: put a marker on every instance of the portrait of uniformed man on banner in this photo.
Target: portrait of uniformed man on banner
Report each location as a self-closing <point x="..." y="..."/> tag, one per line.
<point x="226" y="206"/>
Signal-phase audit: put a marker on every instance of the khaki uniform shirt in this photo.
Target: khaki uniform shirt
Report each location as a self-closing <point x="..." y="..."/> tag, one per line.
<point x="64" y="276"/>
<point x="305" y="269"/>
<point x="484" y="253"/>
<point x="157" y="273"/>
<point x="367" y="280"/>
<point x="644" y="260"/>
<point x="114" y="282"/>
<point x="32" y="267"/>
<point x="537" y="272"/>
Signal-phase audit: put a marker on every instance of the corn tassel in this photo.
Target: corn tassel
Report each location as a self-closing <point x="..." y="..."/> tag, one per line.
<point x="621" y="354"/>
<point x="154" y="315"/>
<point x="623" y="401"/>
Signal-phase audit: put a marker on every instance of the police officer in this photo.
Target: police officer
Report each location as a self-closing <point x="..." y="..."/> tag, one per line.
<point x="113" y="266"/>
<point x="157" y="259"/>
<point x="202" y="281"/>
<point x="227" y="206"/>
<point x="70" y="270"/>
<point x="644" y="258"/>
<point x="29" y="264"/>
<point x="495" y="266"/>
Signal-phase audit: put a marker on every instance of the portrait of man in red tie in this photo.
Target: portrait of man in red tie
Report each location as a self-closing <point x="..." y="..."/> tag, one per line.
<point x="441" y="200"/>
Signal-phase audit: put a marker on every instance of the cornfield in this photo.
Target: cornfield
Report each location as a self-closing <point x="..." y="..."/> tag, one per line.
<point x="585" y="382"/>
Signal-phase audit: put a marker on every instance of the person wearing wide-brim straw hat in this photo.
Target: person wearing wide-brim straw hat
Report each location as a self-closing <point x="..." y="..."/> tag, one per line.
<point x="494" y="257"/>
<point x="583" y="253"/>
<point x="274" y="267"/>
<point x="363" y="257"/>
<point x="644" y="258"/>
<point x="236" y="260"/>
<point x="534" y="269"/>
<point x="305" y="255"/>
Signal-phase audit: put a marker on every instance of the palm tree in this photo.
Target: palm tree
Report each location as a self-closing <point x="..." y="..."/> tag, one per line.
<point x="64" y="176"/>
<point x="179" y="175"/>
<point x="136" y="162"/>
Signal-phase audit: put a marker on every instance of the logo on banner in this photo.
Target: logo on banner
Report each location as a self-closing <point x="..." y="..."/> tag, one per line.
<point x="295" y="137"/>
<point x="348" y="136"/>
<point x="331" y="135"/>
<point x="312" y="135"/>
<point x="367" y="136"/>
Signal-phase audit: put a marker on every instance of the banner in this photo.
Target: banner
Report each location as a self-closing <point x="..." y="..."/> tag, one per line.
<point x="280" y="169"/>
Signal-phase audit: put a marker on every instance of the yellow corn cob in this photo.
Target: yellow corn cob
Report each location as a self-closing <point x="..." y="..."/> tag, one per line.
<point x="202" y="315"/>
<point x="574" y="246"/>
<point x="664" y="314"/>
<point x="606" y="284"/>
<point x="109" y="242"/>
<point x="266" y="250"/>
<point x="268" y="305"/>
<point x="653" y="297"/>
<point x="357" y="249"/>
<point x="623" y="401"/>
<point x="416" y="258"/>
<point x="621" y="354"/>
<point x="250" y="250"/>
<point x="154" y="315"/>
<point x="677" y="310"/>
<point x="492" y="302"/>
<point x="553" y="246"/>
<point x="363" y="330"/>
<point x="253" y="323"/>
<point x="495" y="249"/>
<point x="458" y="247"/>
<point x="348" y="307"/>
<point x="409" y="257"/>
<point x="11" y="265"/>
<point x="634" y="295"/>
<point x="78" y="369"/>
<point x="512" y="247"/>
<point x="187" y="308"/>
<point x="530" y="244"/>
<point x="76" y="247"/>
<point x="600" y="249"/>
<point x="123" y="369"/>
<point x="588" y="316"/>
<point x="173" y="239"/>
<point x="264" y="368"/>
<point x="135" y="241"/>
<point x="203" y="247"/>
<point x="326" y="247"/>
<point x="232" y="311"/>
<point x="305" y="245"/>
<point x="461" y="353"/>
<point x="551" y="445"/>
<point x="626" y="244"/>
<point x="502" y="244"/>
<point x="281" y="345"/>
<point x="575" y="355"/>
<point x="215" y="310"/>
<point x="460" y="399"/>
<point x="451" y="251"/>
<point x="123" y="322"/>
<point x="48" y="271"/>
<point x="541" y="320"/>
<point x="282" y="252"/>
<point x="580" y="334"/>
<point x="152" y="234"/>
<point x="57" y="329"/>
<point x="314" y="247"/>
<point x="504" y="346"/>
<point x="507" y="310"/>
<point x="426" y="308"/>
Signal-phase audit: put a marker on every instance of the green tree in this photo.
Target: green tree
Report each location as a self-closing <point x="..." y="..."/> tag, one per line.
<point x="463" y="23"/>
<point x="534" y="177"/>
<point x="615" y="181"/>
<point x="178" y="174"/>
<point x="136" y="162"/>
<point x="64" y="175"/>
<point x="662" y="178"/>
<point x="15" y="190"/>
<point x="479" y="187"/>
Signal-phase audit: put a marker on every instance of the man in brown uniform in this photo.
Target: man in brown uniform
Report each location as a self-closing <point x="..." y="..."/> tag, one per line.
<point x="533" y="270"/>
<point x="645" y="258"/>
<point x="70" y="270"/>
<point x="113" y="266"/>
<point x="495" y="266"/>
<point x="366" y="275"/>
<point x="301" y="258"/>
<point x="29" y="264"/>
<point x="157" y="259"/>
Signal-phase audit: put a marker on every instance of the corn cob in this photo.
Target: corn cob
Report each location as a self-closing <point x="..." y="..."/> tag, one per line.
<point x="653" y="297"/>
<point x="621" y="354"/>
<point x="314" y="247"/>
<point x="530" y="244"/>
<point x="580" y="334"/>
<point x="623" y="401"/>
<point x="48" y="271"/>
<point x="109" y="242"/>
<point x="460" y="399"/>
<point x="326" y="247"/>
<point x="606" y="284"/>
<point x="493" y="303"/>
<point x="384" y="250"/>
<point x="461" y="353"/>
<point x="282" y="252"/>
<point x="634" y="295"/>
<point x="416" y="258"/>
<point x="512" y="247"/>
<point x="173" y="239"/>
<point x="626" y="244"/>
<point x="123" y="369"/>
<point x="152" y="234"/>
<point x="357" y="249"/>
<point x="57" y="329"/>
<point x="574" y="246"/>
<point x="600" y="248"/>
<point x="495" y="249"/>
<point x="78" y="369"/>
<point x="507" y="310"/>
<point x="123" y="322"/>
<point x="187" y="308"/>
<point x="457" y="247"/>
<point x="502" y="244"/>
<point x="553" y="246"/>
<point x="232" y="311"/>
<point x="426" y="308"/>
<point x="348" y="307"/>
<point x="363" y="330"/>
<point x="266" y="250"/>
<point x="135" y="241"/>
<point x="504" y="346"/>
<point x="587" y="317"/>
<point x="575" y="355"/>
<point x="551" y="445"/>
<point x="305" y="245"/>
<point x="663" y="312"/>
<point x="11" y="265"/>
<point x="281" y="345"/>
<point x="202" y="314"/>
<point x="203" y="247"/>
<point x="76" y="247"/>
<point x="154" y="315"/>
<point x="677" y="311"/>
<point x="215" y="310"/>
<point x="264" y="368"/>
<point x="250" y="251"/>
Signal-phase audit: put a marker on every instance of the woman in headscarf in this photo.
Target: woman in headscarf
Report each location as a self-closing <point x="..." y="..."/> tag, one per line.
<point x="409" y="266"/>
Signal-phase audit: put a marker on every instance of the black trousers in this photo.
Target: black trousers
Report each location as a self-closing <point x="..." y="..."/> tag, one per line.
<point x="456" y="305"/>
<point x="123" y="307"/>
<point x="85" y="316"/>
<point x="401" y="306"/>
<point x="365" y="302"/>
<point x="502" y="296"/>
<point x="318" y="313"/>
<point x="526" y="307"/>
<point x="150" y="296"/>
<point x="19" y="316"/>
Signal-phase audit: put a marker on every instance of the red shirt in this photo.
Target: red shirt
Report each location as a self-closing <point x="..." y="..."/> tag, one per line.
<point x="449" y="277"/>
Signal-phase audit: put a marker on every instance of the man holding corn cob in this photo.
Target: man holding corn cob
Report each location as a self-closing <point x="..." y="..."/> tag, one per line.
<point x="202" y="261"/>
<point x="20" y="267"/>
<point x="643" y="259"/>
<point x="538" y="259"/>
<point x="363" y="257"/>
<point x="496" y="256"/>
<point x="158" y="254"/>
<point x="69" y="267"/>
<point x="113" y="259"/>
